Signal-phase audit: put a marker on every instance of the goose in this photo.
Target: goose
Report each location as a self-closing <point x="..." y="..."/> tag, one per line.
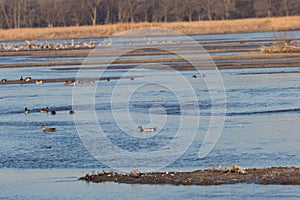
<point x="47" y="130"/>
<point x="26" y="111"/>
<point x="194" y="76"/>
<point x="53" y="112"/>
<point x="21" y="79"/>
<point x="44" y="110"/>
<point x="153" y="129"/>
<point x="72" y="112"/>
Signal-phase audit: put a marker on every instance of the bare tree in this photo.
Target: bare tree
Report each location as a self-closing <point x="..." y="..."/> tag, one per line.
<point x="262" y="8"/>
<point x="6" y="10"/>
<point x="293" y="7"/>
<point x="79" y="13"/>
<point x="142" y="10"/>
<point x="48" y="10"/>
<point x="41" y="13"/>
<point x="17" y="13"/>
<point x="93" y="6"/>
<point x="131" y="5"/>
<point x="179" y="9"/>
<point x="285" y="7"/>
<point x="166" y="8"/>
<point x="122" y="11"/>
<point x="157" y="13"/>
<point x="30" y="13"/>
<point x="229" y="7"/>
<point x="209" y="7"/>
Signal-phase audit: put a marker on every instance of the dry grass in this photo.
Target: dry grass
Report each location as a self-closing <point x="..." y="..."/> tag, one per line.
<point x="200" y="27"/>
<point x="281" y="48"/>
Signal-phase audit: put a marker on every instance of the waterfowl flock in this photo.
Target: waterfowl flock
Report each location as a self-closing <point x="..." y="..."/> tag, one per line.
<point x="40" y="45"/>
<point x="34" y="45"/>
<point x="71" y="112"/>
<point x="65" y="81"/>
<point x="46" y="110"/>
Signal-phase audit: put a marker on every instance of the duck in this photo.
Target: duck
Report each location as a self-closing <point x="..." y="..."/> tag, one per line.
<point x="46" y="147"/>
<point x="44" y="110"/>
<point x="69" y="82"/>
<point x="38" y="82"/>
<point x="47" y="130"/>
<point x="194" y="76"/>
<point x="4" y="80"/>
<point x="53" y="112"/>
<point x="27" y="79"/>
<point x="26" y="111"/>
<point x="72" y="112"/>
<point x="153" y="129"/>
<point x="21" y="79"/>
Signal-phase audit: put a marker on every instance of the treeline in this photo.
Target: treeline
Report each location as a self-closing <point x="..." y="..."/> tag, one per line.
<point x="49" y="13"/>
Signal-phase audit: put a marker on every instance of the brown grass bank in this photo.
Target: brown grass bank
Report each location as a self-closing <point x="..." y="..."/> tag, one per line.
<point x="199" y="27"/>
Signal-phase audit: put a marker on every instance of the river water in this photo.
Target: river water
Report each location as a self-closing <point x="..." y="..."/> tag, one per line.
<point x="261" y="129"/>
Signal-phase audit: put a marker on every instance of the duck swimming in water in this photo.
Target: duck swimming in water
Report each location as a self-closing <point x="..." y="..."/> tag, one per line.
<point x="153" y="129"/>
<point x="26" y="111"/>
<point x="44" y="110"/>
<point x="47" y="130"/>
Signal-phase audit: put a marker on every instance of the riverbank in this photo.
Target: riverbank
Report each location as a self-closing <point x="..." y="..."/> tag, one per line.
<point x="233" y="175"/>
<point x="190" y="28"/>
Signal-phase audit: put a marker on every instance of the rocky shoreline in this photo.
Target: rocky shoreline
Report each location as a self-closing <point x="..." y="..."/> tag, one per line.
<point x="211" y="176"/>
